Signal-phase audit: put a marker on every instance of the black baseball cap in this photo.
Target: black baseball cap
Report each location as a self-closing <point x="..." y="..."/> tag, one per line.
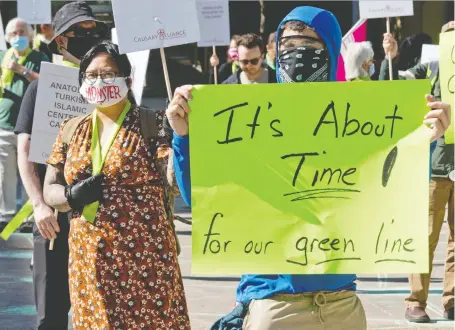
<point x="73" y="13"/>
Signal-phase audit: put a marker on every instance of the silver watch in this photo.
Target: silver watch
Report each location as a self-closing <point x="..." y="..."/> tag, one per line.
<point x="26" y="73"/>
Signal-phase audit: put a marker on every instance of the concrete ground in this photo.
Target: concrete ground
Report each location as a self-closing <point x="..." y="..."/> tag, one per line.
<point x="211" y="297"/>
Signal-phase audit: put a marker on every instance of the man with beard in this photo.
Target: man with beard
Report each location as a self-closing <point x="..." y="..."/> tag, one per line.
<point x="251" y="58"/>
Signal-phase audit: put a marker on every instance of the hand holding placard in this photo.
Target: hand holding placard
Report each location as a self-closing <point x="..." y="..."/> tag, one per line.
<point x="178" y="109"/>
<point x="306" y="178"/>
<point x="213" y="16"/>
<point x="379" y="9"/>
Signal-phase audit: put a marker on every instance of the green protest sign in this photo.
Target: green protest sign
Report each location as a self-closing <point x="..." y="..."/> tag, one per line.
<point x="310" y="178"/>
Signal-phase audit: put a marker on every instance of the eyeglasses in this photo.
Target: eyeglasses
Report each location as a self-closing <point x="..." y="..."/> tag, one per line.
<point x="300" y="41"/>
<point x="108" y="77"/>
<point x="253" y="61"/>
<point x="80" y="32"/>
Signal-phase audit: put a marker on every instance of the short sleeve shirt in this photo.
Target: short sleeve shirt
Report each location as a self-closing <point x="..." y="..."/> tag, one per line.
<point x="24" y="122"/>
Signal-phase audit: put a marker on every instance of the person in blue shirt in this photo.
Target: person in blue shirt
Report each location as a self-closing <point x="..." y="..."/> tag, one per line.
<point x="312" y="36"/>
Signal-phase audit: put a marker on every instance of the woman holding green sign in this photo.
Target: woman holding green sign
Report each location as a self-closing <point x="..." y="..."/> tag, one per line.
<point x="123" y="267"/>
<point x="308" y="42"/>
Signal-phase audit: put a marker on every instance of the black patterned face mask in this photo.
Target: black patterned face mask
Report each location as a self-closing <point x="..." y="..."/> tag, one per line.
<point x="303" y="64"/>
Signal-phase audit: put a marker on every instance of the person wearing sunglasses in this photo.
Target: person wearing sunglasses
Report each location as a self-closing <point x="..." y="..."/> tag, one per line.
<point x="76" y="31"/>
<point x="251" y="60"/>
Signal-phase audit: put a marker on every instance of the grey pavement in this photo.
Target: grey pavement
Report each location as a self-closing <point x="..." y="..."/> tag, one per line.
<point x="212" y="297"/>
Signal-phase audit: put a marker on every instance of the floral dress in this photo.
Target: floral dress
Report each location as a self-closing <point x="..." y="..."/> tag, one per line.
<point x="123" y="267"/>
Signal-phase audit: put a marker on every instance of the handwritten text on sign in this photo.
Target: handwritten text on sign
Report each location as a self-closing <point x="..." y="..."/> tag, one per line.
<point x="310" y="178"/>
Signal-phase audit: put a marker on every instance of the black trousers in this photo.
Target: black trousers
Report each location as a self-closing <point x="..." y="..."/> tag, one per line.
<point x="50" y="278"/>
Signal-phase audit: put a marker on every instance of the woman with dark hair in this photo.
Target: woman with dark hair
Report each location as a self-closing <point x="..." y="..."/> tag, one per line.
<point x="123" y="267"/>
<point x="404" y="57"/>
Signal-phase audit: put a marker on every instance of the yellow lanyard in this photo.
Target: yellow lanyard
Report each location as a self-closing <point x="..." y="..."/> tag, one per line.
<point x="99" y="154"/>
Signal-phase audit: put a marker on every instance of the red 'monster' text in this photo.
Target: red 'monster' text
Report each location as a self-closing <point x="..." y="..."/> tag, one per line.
<point x="101" y="95"/>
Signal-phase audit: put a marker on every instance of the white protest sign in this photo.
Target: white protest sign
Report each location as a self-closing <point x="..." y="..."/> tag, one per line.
<point x="35" y="11"/>
<point x="213" y="22"/>
<point x="57" y="99"/>
<point x="151" y="24"/>
<point x="139" y="62"/>
<point x="430" y="53"/>
<point x="2" y="35"/>
<point x="380" y="9"/>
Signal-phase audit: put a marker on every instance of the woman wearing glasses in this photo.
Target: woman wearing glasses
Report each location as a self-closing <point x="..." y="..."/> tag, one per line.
<point x="123" y="266"/>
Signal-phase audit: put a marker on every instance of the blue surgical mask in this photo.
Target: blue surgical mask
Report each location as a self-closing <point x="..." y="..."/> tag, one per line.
<point x="20" y="43"/>
<point x="371" y="69"/>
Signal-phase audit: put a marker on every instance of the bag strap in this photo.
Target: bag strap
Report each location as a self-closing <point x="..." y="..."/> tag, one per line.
<point x="70" y="128"/>
<point x="149" y="127"/>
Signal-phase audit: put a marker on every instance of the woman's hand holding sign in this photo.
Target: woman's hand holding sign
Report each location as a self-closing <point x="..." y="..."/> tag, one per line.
<point x="438" y="118"/>
<point x="178" y="109"/>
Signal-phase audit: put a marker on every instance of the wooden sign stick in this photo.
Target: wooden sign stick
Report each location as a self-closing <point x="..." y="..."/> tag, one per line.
<point x="166" y="74"/>
<point x="215" y="70"/>
<point x="51" y="244"/>
<point x="389" y="53"/>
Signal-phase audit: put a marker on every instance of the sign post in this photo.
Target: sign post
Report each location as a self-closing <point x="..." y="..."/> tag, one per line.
<point x="214" y="25"/>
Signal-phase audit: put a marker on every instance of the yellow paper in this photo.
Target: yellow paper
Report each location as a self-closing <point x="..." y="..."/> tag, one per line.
<point x="446" y="76"/>
<point x="358" y="202"/>
<point x="18" y="219"/>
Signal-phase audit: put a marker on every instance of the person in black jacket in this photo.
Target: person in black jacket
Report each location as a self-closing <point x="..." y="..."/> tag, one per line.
<point x="251" y="60"/>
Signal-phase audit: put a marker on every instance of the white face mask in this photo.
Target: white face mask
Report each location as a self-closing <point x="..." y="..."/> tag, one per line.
<point x="104" y="95"/>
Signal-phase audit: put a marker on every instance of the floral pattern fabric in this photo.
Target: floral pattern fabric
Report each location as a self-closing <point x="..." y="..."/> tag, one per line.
<point x="123" y="268"/>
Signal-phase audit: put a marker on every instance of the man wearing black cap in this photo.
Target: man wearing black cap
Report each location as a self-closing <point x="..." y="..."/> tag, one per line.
<point x="76" y="31"/>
